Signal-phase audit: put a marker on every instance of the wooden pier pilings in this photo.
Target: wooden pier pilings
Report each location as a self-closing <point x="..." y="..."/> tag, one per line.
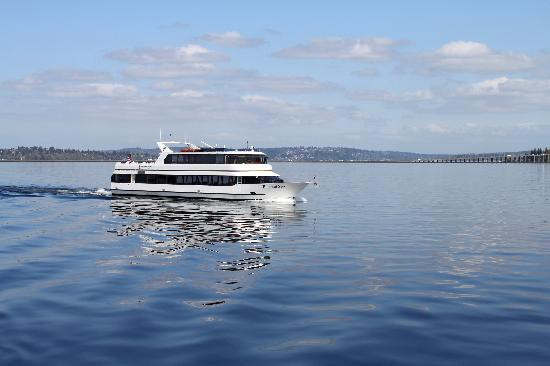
<point x="541" y="158"/>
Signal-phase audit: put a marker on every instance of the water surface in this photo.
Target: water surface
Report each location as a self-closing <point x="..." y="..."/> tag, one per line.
<point x="380" y="264"/>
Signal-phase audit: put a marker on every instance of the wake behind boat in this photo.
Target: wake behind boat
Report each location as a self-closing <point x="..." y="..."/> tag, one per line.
<point x="203" y="172"/>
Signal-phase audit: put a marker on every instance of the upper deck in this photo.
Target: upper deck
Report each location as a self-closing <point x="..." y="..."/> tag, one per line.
<point x="218" y="157"/>
<point x="195" y="158"/>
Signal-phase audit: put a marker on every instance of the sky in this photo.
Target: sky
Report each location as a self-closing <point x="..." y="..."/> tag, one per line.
<point x="422" y="76"/>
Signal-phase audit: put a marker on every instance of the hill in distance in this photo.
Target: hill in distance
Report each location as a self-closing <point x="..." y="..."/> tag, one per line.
<point x="297" y="154"/>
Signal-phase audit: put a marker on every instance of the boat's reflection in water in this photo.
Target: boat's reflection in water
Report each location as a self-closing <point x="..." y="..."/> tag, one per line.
<point x="169" y="227"/>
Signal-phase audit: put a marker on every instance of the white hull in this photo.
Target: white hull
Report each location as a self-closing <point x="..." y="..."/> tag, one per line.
<point x="268" y="191"/>
<point x="193" y="172"/>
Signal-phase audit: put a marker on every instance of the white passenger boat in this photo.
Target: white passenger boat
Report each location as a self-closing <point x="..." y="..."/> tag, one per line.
<point x="203" y="172"/>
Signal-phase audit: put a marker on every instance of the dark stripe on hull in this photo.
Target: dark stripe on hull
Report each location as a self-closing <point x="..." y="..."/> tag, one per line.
<point x="152" y="171"/>
<point x="226" y="196"/>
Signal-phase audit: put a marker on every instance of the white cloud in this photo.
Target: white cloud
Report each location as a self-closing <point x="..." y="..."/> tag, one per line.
<point x="168" y="62"/>
<point x="435" y="128"/>
<point x="481" y="88"/>
<point x="189" y="93"/>
<point x="412" y="97"/>
<point x="260" y="99"/>
<point x="500" y="94"/>
<point x="94" y="90"/>
<point x="237" y="79"/>
<point x="26" y="84"/>
<point x="56" y="76"/>
<point x="191" y="53"/>
<point x="191" y="85"/>
<point x="474" y="57"/>
<point x="362" y="49"/>
<point x="419" y="95"/>
<point x="464" y="49"/>
<point x="69" y="74"/>
<point x="506" y="94"/>
<point x="164" y="85"/>
<point x="503" y="86"/>
<point x="113" y="90"/>
<point x="526" y="86"/>
<point x="62" y="83"/>
<point x="232" y="39"/>
<point x="168" y="71"/>
<point x="288" y="84"/>
<point x="279" y="112"/>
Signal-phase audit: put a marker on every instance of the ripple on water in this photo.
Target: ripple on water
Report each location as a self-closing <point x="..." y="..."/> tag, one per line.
<point x="409" y="264"/>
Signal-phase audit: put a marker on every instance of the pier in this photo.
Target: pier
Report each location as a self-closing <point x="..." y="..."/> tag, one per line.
<point x="528" y="158"/>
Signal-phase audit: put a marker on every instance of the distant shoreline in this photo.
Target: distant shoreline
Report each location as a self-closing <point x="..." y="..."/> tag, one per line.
<point x="271" y="161"/>
<point x="59" y="161"/>
<point x="298" y="154"/>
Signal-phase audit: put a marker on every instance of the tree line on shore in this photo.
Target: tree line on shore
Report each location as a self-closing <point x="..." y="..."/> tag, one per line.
<point x="539" y="151"/>
<point x="38" y="153"/>
<point x="300" y="153"/>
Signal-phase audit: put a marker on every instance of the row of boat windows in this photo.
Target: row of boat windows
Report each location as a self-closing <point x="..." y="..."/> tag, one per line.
<point x="207" y="180"/>
<point x="214" y="159"/>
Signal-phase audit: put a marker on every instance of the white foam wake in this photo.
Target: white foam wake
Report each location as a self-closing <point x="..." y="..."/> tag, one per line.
<point x="102" y="192"/>
<point x="98" y="192"/>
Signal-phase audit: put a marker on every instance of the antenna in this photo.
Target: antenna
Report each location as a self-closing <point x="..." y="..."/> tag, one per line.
<point x="207" y="145"/>
<point x="160" y="134"/>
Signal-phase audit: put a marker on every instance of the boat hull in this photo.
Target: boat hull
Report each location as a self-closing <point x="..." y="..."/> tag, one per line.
<point x="257" y="192"/>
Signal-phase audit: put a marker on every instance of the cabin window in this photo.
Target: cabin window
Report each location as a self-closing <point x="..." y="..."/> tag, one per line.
<point x="202" y="159"/>
<point x="121" y="178"/>
<point x="141" y="178"/>
<point x="251" y="180"/>
<point x="211" y="180"/>
<point x="246" y="159"/>
<point x="227" y="180"/>
<point x="168" y="159"/>
<point x="261" y="180"/>
<point x="124" y="178"/>
<point x="272" y="180"/>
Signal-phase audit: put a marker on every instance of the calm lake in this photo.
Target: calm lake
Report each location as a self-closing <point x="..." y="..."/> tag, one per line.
<point x="415" y="264"/>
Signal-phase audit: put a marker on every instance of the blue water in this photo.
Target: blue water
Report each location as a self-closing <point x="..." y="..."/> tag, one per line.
<point x="412" y="264"/>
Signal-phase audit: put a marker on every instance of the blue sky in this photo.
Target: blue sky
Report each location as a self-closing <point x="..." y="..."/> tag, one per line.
<point x="426" y="76"/>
